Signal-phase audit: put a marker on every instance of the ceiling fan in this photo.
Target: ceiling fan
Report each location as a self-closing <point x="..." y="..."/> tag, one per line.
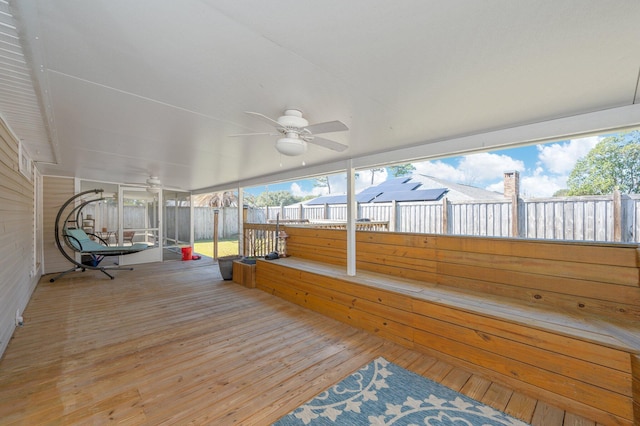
<point x="153" y="184"/>
<point x="297" y="131"/>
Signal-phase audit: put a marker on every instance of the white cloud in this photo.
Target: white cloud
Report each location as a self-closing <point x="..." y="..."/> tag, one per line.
<point x="298" y="191"/>
<point x="496" y="187"/>
<point x="439" y="169"/>
<point x="339" y="182"/>
<point x="474" y="169"/>
<point x="485" y="166"/>
<point x="541" y="185"/>
<point x="560" y="158"/>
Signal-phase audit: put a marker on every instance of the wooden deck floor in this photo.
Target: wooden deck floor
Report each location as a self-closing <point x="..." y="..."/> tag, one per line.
<point x="172" y="344"/>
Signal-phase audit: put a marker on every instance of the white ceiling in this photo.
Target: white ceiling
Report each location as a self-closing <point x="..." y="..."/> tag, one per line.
<point x="127" y="88"/>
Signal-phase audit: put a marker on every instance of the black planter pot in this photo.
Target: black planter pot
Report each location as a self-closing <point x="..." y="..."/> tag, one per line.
<point x="225" y="263"/>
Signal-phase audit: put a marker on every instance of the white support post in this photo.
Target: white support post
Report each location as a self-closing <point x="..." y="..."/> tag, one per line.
<point x="192" y="227"/>
<point x="393" y="216"/>
<point x="240" y="221"/>
<point x="352" y="210"/>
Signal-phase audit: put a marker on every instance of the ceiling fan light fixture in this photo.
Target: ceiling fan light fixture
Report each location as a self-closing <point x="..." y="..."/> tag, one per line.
<point x="291" y="146"/>
<point x="296" y="132"/>
<point x="154" y="181"/>
<point x="292" y="118"/>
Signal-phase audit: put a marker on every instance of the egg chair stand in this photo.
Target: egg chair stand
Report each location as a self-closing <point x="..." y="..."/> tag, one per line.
<point x="90" y="246"/>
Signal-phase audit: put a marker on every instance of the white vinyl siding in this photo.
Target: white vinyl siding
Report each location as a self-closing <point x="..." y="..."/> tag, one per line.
<point x="17" y="243"/>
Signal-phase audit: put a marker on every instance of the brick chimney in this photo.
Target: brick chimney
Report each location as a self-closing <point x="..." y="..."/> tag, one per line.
<point x="512" y="184"/>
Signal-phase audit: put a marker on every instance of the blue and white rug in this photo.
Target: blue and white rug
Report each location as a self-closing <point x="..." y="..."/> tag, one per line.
<point x="382" y="393"/>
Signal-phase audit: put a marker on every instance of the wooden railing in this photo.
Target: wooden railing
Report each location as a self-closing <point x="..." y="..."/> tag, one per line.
<point x="360" y="226"/>
<point x="259" y="239"/>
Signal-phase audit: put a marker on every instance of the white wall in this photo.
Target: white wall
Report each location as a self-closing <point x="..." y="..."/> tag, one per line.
<point x="18" y="274"/>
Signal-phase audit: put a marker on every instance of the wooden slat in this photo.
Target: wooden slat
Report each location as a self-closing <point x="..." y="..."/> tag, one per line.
<point x="591" y="395"/>
<point x="564" y="364"/>
<point x="476" y="387"/>
<point x="575" y="420"/>
<point x="497" y="396"/>
<point x="397" y="239"/>
<point x="547" y="415"/>
<point x="598" y="298"/>
<point x="635" y="373"/>
<point x="521" y="406"/>
<point x="597" y="272"/>
<point x="599" y="253"/>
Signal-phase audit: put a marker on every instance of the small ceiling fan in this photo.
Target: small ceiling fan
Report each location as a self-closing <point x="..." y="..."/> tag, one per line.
<point x="153" y="184"/>
<point x="297" y="131"/>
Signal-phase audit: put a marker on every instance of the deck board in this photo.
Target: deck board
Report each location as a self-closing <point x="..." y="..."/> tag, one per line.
<point x="171" y="343"/>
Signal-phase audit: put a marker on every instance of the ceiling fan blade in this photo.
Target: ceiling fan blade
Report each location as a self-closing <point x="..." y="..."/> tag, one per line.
<point x="264" y="118"/>
<point x="326" y="143"/>
<point x="239" y="135"/>
<point x="327" y="127"/>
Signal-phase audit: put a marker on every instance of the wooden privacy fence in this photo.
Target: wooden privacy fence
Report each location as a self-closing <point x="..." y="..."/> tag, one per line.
<point x="607" y="218"/>
<point x="176" y="220"/>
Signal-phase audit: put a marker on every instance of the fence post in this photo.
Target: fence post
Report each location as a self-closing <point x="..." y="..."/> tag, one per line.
<point x="515" y="216"/>
<point x="617" y="216"/>
<point x="301" y="214"/>
<point x="445" y="216"/>
<point x="326" y="210"/>
<point x="393" y="214"/>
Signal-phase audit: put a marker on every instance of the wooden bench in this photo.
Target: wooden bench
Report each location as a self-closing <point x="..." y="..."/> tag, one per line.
<point x="554" y="320"/>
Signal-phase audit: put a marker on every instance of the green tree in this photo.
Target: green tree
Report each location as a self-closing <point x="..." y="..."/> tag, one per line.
<point x="402" y="169"/>
<point x="561" y="192"/>
<point x="276" y="198"/>
<point x="613" y="163"/>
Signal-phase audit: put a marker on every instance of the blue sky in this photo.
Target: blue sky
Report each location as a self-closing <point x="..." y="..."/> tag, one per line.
<point x="543" y="168"/>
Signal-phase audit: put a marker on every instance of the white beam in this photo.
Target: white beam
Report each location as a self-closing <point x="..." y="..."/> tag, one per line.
<point x="352" y="210"/>
<point x="594" y="123"/>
